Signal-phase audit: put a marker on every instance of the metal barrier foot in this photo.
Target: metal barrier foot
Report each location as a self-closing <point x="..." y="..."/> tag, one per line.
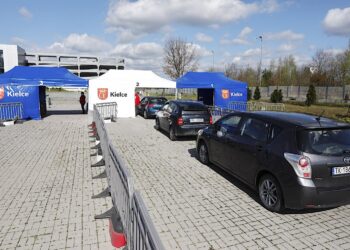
<point x="96" y="146"/>
<point x="101" y="175"/>
<point x="100" y="163"/>
<point x="106" y="215"/>
<point x="105" y="193"/>
<point x="116" y="231"/>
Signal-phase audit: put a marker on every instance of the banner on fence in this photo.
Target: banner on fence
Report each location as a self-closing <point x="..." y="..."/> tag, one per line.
<point x="27" y="95"/>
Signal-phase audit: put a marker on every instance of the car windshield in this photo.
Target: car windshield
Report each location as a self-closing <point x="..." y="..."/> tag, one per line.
<point x="193" y="106"/>
<point x="157" y="101"/>
<point x="325" y="141"/>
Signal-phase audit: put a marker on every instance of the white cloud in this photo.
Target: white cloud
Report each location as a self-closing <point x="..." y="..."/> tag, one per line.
<point x="251" y="52"/>
<point x="241" y="39"/>
<point x="80" y="43"/>
<point x="203" y="38"/>
<point x="144" y="56"/>
<point x="146" y="16"/>
<point x="286" y="48"/>
<point x="245" y="32"/>
<point x="23" y="11"/>
<point x="286" y="35"/>
<point x="334" y="51"/>
<point x="269" y="6"/>
<point x="139" y="51"/>
<point x="201" y="51"/>
<point x="337" y="22"/>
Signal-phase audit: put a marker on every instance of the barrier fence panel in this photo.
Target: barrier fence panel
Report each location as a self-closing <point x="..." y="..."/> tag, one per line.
<point x="144" y="234"/>
<point x="121" y="191"/>
<point x="108" y="110"/>
<point x="256" y="106"/>
<point x="138" y="227"/>
<point x="11" y="111"/>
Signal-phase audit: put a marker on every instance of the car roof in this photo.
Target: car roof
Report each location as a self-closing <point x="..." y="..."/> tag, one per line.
<point x="182" y="103"/>
<point x="297" y="119"/>
<point x="155" y="97"/>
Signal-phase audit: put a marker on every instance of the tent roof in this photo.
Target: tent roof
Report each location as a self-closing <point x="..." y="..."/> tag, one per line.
<point x="136" y="78"/>
<point x="207" y="80"/>
<point x="37" y="76"/>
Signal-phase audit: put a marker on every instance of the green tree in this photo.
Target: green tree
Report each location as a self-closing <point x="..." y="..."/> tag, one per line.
<point x="276" y="96"/>
<point x="266" y="77"/>
<point x="257" y="94"/>
<point x="311" y="96"/>
<point x="249" y="94"/>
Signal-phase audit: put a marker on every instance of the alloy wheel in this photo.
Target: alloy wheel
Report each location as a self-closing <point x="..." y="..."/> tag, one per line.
<point x="203" y="153"/>
<point x="268" y="193"/>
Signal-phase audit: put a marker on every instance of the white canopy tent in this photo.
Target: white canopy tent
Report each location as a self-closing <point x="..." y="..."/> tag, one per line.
<point x="119" y="86"/>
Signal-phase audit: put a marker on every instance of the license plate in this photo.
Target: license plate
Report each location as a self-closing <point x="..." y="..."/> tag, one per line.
<point x="197" y="120"/>
<point x="341" y="170"/>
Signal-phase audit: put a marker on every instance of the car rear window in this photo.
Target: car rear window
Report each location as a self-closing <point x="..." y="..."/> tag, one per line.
<point x="158" y="101"/>
<point x="325" y="141"/>
<point x="193" y="106"/>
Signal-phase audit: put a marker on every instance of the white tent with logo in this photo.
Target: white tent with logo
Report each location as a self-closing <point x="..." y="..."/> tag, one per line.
<point x="119" y="86"/>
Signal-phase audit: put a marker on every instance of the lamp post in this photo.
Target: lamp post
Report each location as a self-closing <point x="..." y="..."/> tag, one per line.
<point x="260" y="64"/>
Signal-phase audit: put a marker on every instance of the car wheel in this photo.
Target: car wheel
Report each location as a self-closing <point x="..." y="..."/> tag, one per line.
<point x="145" y="114"/>
<point x="203" y="153"/>
<point x="172" y="135"/>
<point x="270" y="193"/>
<point x="157" y="124"/>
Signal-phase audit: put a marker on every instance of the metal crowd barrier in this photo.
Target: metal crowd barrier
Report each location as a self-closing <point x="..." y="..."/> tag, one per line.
<point x="256" y="106"/>
<point x="138" y="228"/>
<point x="108" y="110"/>
<point x="11" y="111"/>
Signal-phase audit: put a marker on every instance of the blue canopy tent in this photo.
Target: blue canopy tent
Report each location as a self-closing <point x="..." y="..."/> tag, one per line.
<point x="214" y="88"/>
<point x="26" y="85"/>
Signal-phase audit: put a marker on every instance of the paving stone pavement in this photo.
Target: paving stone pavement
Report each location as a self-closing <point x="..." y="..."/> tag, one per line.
<point x="194" y="206"/>
<point x="46" y="186"/>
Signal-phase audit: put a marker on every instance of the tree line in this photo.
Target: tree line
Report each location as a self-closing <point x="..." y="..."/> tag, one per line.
<point x="326" y="68"/>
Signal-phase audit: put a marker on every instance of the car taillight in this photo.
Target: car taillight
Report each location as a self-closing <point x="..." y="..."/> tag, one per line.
<point x="180" y="121"/>
<point x="211" y="120"/>
<point x="301" y="164"/>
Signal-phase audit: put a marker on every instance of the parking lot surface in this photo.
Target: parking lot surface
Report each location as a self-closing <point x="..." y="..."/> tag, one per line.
<point x="194" y="206"/>
<point x="46" y="185"/>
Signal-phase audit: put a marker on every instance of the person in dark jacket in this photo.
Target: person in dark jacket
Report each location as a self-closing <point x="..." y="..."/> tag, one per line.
<point x="82" y="101"/>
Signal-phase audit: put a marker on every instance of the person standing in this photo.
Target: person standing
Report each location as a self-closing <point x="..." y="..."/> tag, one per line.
<point x="82" y="101"/>
<point x="137" y="102"/>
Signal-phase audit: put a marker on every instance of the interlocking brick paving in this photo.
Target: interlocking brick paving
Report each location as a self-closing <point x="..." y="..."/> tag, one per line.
<point x="46" y="185"/>
<point x="194" y="206"/>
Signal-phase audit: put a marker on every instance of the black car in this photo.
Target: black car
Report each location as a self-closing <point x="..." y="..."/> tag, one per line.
<point x="183" y="118"/>
<point x="150" y="105"/>
<point x="293" y="160"/>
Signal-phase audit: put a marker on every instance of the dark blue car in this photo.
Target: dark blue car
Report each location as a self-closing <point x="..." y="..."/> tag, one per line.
<point x="150" y="105"/>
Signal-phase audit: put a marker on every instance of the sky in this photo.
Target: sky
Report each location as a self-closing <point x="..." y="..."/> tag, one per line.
<point x="222" y="31"/>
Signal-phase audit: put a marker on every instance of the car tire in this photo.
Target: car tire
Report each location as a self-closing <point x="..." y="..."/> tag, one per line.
<point x="203" y="154"/>
<point x="172" y="135"/>
<point x="145" y="114"/>
<point x="270" y="193"/>
<point x="157" y="124"/>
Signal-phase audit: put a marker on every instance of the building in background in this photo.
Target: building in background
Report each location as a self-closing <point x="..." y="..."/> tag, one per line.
<point x="83" y="66"/>
<point x="11" y="56"/>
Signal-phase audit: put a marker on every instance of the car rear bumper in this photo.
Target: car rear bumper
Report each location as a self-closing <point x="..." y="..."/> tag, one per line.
<point x="189" y="130"/>
<point x="152" y="112"/>
<point x="301" y="197"/>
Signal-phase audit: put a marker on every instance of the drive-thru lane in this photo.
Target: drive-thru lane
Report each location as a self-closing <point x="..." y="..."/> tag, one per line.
<point x="194" y="206"/>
